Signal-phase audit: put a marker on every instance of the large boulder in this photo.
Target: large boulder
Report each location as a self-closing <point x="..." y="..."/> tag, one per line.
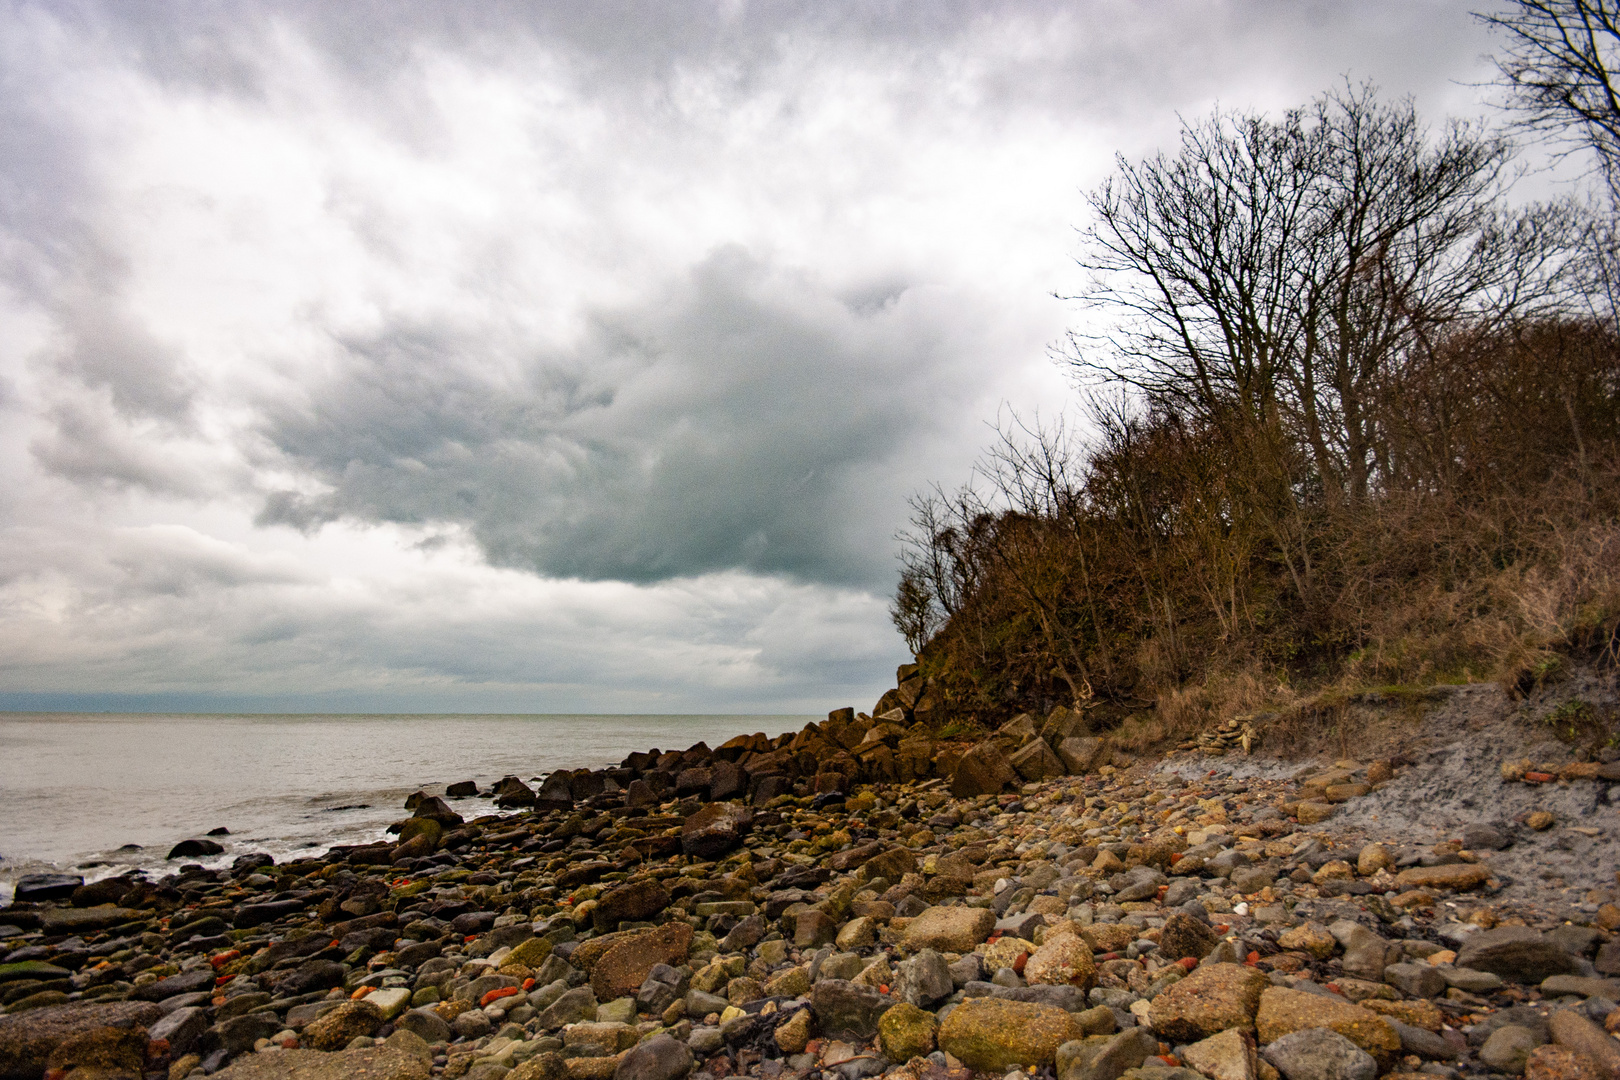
<point x="336" y="1029"/>
<point x="847" y="1010"/>
<point x="659" y="1058"/>
<point x="621" y="970"/>
<point x="1035" y="761"/>
<point x="1080" y="754"/>
<point x="372" y="1063"/>
<point x="1320" y="1054"/>
<point x="996" y="1036"/>
<point x="1212" y="999"/>
<point x="27" y="1038"/>
<point x="1063" y="960"/>
<point x="634" y="901"/>
<point x="1515" y="952"/>
<point x="949" y="929"/>
<point x="1283" y="1012"/>
<point x="714" y="830"/>
<point x="983" y="770"/>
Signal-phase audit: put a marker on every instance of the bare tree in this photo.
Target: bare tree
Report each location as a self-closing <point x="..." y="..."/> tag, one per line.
<point x="1560" y="66"/>
<point x="1270" y="275"/>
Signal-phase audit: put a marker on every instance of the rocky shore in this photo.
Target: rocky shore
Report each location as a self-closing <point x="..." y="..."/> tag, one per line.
<point x="863" y="898"/>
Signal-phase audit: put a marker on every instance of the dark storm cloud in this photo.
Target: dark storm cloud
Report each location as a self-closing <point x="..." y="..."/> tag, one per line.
<point x="714" y="428"/>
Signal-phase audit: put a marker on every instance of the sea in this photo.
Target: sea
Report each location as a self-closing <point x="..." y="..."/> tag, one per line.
<point x="99" y="794"/>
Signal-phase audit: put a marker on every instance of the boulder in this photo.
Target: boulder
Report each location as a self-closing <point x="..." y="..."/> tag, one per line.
<point x="713" y="830"/>
<point x="983" y="770"/>
<point x="1515" y="952"/>
<point x="33" y="888"/>
<point x="371" y="1063"/>
<point x="1283" y="1012"/>
<point x="1507" y="1048"/>
<point x="1035" y="761"/>
<point x="1062" y="960"/>
<point x="1226" y="1056"/>
<point x="1213" y="998"/>
<point x="1184" y="936"/>
<point x="949" y="929"/>
<point x="27" y="1038"/>
<point x="1080" y="754"/>
<point x="906" y="1031"/>
<point x="509" y="791"/>
<point x="1558" y="1062"/>
<point x="1575" y="1032"/>
<point x="659" y="1058"/>
<point x="994" y="1035"/>
<point x="846" y="1010"/>
<point x="635" y="901"/>
<point x="625" y="966"/>
<point x="1459" y="876"/>
<point x="335" y="1029"/>
<point x="115" y="1050"/>
<point x="1112" y="1058"/>
<point x="1320" y="1054"/>
<point x="924" y="980"/>
<point x="194" y="849"/>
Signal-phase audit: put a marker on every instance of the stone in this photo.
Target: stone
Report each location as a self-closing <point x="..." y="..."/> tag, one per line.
<point x="334" y="1030"/>
<point x="1320" y="1054"/>
<point x="924" y="980"/>
<point x="714" y="830"/>
<point x="34" y="888"/>
<point x="1555" y="986"/>
<point x="983" y="770"/>
<point x="794" y="1035"/>
<point x="949" y="929"/>
<point x="1479" y="836"/>
<point x="180" y="1029"/>
<point x="1373" y="858"/>
<point x="1213" y="998"/>
<point x="845" y="1009"/>
<point x="658" y="1058"/>
<point x="1415" y="980"/>
<point x="86" y="920"/>
<point x="906" y="1031"/>
<point x="1184" y="936"/>
<point x="1035" y="761"/>
<point x="574" y="1006"/>
<point x="194" y="849"/>
<point x="368" y="1063"/>
<point x="621" y="970"/>
<point x="391" y="1001"/>
<point x="1283" y="1012"/>
<point x="1540" y="820"/>
<point x="635" y="901"/>
<point x="1118" y="1056"/>
<point x="1572" y="1030"/>
<point x="191" y="982"/>
<point x="1081" y="754"/>
<point x="1458" y="876"/>
<point x="1062" y="960"/>
<point x="238" y="1033"/>
<point x="27" y="1038"/>
<point x="426" y="1023"/>
<point x="1311" y="938"/>
<point x="110" y="1048"/>
<point x="1508" y="1047"/>
<point x="857" y="933"/>
<point x="1228" y="1055"/>
<point x="1515" y="952"/>
<point x="1474" y="982"/>
<point x="1557" y="1062"/>
<point x="990" y="1034"/>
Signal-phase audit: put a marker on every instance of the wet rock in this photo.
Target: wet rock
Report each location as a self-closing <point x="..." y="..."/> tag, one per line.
<point x="1415" y="980"/>
<point x="1517" y="953"/>
<point x="1081" y="755"/>
<point x="181" y="1029"/>
<point x="115" y="1050"/>
<point x="509" y="791"/>
<point x="1035" y="761"/>
<point x="576" y="1005"/>
<point x="425" y="1023"/>
<point x="1320" y="1054"/>
<point x="1111" y="1060"/>
<point x="194" y="849"/>
<point x="1458" y="876"/>
<point x="793" y="1035"/>
<point x="989" y="1034"/>
<point x="1211" y="999"/>
<point x="190" y="982"/>
<point x="34" y="888"/>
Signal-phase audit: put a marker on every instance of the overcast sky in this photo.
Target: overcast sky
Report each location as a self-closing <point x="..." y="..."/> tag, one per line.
<point x="515" y="356"/>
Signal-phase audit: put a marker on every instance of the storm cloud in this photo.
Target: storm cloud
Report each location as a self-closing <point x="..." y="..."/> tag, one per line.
<point x="551" y="356"/>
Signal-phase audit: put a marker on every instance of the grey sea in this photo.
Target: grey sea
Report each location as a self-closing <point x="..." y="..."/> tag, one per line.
<point x="101" y="793"/>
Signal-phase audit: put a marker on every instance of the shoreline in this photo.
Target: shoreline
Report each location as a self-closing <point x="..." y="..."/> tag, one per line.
<point x="852" y="899"/>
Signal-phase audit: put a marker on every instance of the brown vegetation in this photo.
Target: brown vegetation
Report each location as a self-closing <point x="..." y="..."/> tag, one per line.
<point x="1365" y="430"/>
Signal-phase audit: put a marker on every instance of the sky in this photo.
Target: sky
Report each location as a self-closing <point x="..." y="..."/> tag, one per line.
<point x="543" y="357"/>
